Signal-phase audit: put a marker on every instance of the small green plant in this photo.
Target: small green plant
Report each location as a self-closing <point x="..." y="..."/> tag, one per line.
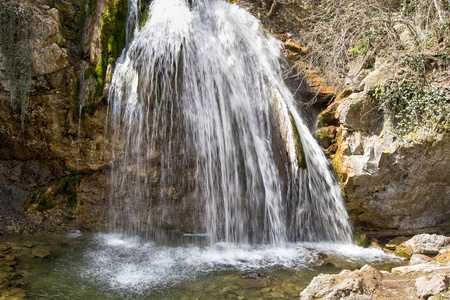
<point x="16" y="49"/>
<point x="322" y="134"/>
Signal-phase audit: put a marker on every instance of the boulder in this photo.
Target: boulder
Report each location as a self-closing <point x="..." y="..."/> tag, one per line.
<point x="431" y="285"/>
<point x="359" y="112"/>
<point x="428" y="244"/>
<point x="417" y="259"/>
<point x="361" y="283"/>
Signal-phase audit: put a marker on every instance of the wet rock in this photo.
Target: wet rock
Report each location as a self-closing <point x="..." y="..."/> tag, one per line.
<point x="295" y="47"/>
<point x="254" y="275"/>
<point x="277" y="295"/>
<point x="230" y="288"/>
<point x="9" y="263"/>
<point x="431" y="285"/>
<point x="13" y="293"/>
<point x="360" y="282"/>
<point x="4" y="248"/>
<point x="41" y="252"/>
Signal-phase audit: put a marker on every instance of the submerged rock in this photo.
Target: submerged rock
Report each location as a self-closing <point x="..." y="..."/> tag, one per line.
<point x="41" y="252"/>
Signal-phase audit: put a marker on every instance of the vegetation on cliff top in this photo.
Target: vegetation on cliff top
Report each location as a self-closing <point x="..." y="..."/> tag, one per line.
<point x="411" y="36"/>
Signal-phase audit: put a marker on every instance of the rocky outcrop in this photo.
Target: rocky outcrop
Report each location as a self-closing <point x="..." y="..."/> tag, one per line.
<point x="392" y="183"/>
<point x="57" y="139"/>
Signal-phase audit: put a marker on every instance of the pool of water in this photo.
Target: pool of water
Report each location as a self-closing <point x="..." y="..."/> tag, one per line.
<point x="111" y="266"/>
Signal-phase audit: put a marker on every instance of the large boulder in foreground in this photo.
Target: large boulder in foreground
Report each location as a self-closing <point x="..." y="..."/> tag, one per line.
<point x="424" y="281"/>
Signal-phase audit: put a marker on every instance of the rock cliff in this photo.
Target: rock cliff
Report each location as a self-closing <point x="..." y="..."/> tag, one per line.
<point x="55" y="161"/>
<point x="57" y="138"/>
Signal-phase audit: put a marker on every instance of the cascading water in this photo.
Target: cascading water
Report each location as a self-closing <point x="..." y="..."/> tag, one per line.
<point x="205" y="134"/>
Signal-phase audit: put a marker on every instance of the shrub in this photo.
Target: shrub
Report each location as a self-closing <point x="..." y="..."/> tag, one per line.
<point x="410" y="106"/>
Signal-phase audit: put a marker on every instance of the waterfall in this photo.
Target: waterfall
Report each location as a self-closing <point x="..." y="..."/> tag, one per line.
<point x="206" y="137"/>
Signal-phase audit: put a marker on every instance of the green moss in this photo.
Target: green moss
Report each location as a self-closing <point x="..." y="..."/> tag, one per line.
<point x="361" y="239"/>
<point x="336" y="168"/>
<point x="112" y="42"/>
<point x="112" y="46"/>
<point x="100" y="70"/>
<point x="298" y="145"/>
<point x="92" y="6"/>
<point x="68" y="189"/>
<point x="321" y="122"/>
<point x="322" y="134"/>
<point x="64" y="189"/>
<point x="401" y="252"/>
<point x="39" y="200"/>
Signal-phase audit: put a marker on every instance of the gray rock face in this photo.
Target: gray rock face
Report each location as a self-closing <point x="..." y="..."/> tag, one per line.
<point x="392" y="183"/>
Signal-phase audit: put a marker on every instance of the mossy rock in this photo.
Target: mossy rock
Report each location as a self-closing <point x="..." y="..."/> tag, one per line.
<point x="63" y="191"/>
<point x="298" y="145"/>
<point x="404" y="251"/>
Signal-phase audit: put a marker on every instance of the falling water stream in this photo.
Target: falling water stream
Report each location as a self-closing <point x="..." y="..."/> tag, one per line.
<point x="206" y="136"/>
<point x="218" y="189"/>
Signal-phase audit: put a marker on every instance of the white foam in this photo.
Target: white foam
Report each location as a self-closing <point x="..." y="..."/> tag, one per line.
<point x="128" y="263"/>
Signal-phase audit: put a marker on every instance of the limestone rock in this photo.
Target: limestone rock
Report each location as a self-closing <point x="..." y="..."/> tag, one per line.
<point x="358" y="112"/>
<point x="421" y="269"/>
<point x="417" y="259"/>
<point x="55" y="138"/>
<point x="345" y="284"/>
<point x="295" y="47"/>
<point x="431" y="285"/>
<point x="444" y="258"/>
<point x="48" y="60"/>
<point x="92" y="31"/>
<point x="429" y="244"/>
<point x="45" y="28"/>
